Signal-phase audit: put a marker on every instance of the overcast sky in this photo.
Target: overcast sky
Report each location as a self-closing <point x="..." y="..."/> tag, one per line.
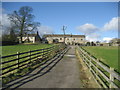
<point x="96" y="20"/>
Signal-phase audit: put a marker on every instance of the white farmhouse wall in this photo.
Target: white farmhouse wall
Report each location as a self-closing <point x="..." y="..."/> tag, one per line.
<point x="32" y="39"/>
<point x="68" y="40"/>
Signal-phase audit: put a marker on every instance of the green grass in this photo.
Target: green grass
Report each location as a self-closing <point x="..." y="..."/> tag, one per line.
<point x="108" y="55"/>
<point x="13" y="49"/>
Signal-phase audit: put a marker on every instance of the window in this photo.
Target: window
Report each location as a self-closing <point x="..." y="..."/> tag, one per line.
<point x="81" y="39"/>
<point x="68" y="39"/>
<point x="74" y="39"/>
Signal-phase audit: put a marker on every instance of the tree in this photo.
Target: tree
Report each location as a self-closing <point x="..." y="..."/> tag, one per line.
<point x="88" y="44"/>
<point x="22" y="21"/>
<point x="12" y="35"/>
<point x="93" y="44"/>
<point x="97" y="43"/>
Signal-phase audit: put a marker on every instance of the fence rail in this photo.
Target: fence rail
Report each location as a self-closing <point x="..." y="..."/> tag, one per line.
<point x="107" y="77"/>
<point x="21" y="60"/>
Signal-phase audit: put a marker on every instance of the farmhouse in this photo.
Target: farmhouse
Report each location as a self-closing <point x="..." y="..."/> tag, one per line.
<point x="31" y="38"/>
<point x="68" y="39"/>
<point x="115" y="42"/>
<point x="104" y="44"/>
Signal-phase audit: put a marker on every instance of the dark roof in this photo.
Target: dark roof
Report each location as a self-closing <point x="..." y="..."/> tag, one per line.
<point x="61" y="35"/>
<point x="30" y="35"/>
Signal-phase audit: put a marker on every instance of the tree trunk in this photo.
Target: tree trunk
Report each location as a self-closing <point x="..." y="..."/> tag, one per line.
<point x="21" y="31"/>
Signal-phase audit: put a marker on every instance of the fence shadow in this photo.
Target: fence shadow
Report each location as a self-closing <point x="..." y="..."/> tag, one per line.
<point x="31" y="76"/>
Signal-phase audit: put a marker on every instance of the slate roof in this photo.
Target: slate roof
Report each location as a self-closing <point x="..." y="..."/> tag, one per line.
<point x="30" y="35"/>
<point x="61" y="35"/>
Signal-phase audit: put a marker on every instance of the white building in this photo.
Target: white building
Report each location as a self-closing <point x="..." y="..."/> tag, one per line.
<point x="69" y="39"/>
<point x="33" y="38"/>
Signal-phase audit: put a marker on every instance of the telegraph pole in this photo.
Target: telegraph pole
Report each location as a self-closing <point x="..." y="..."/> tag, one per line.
<point x="64" y="28"/>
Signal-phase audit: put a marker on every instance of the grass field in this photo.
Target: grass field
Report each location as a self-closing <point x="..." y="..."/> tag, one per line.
<point x="109" y="55"/>
<point x="13" y="49"/>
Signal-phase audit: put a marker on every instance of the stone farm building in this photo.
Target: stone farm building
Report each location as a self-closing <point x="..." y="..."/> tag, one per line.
<point x="69" y="39"/>
<point x="33" y="38"/>
<point x="115" y="42"/>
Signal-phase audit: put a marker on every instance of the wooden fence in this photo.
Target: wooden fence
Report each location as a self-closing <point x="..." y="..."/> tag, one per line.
<point x="20" y="60"/>
<point x="106" y="76"/>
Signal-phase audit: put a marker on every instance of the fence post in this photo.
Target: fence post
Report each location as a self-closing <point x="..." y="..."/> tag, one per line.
<point x="97" y="66"/>
<point x="59" y="48"/>
<point x="42" y="54"/>
<point x="90" y="61"/>
<point x="111" y="77"/>
<point x="18" y="59"/>
<point x="48" y="53"/>
<point x="30" y="55"/>
<point x="81" y="53"/>
<point x="54" y="50"/>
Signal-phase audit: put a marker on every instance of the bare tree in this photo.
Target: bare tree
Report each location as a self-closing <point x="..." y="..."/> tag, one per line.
<point x="22" y="21"/>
